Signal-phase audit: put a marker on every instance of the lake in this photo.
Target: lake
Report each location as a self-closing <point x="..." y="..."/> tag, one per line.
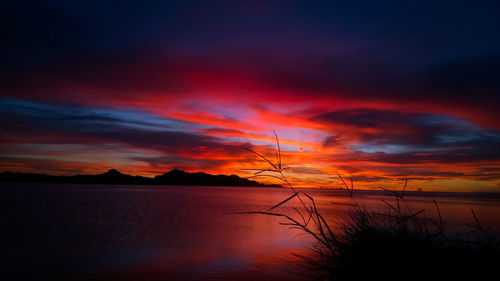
<point x="94" y="232"/>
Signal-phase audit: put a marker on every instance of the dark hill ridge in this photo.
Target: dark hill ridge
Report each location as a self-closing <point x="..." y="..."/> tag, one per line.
<point x="178" y="177"/>
<point x="174" y="177"/>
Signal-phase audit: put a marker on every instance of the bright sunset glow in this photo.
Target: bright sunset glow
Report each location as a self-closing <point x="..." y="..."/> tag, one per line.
<point x="376" y="102"/>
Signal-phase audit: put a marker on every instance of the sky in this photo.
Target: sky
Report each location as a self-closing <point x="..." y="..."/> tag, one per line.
<point x="378" y="91"/>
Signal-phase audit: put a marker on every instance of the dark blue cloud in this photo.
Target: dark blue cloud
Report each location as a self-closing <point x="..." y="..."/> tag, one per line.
<point x="412" y="32"/>
<point x="90" y="118"/>
<point x="406" y="137"/>
<point x="363" y="50"/>
<point x="29" y="122"/>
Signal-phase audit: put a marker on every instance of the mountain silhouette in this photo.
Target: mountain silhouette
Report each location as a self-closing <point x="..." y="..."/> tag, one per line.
<point x="178" y="177"/>
<point x="174" y="177"/>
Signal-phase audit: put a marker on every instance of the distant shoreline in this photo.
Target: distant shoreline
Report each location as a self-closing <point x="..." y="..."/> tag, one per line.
<point x="479" y="195"/>
<point x="112" y="177"/>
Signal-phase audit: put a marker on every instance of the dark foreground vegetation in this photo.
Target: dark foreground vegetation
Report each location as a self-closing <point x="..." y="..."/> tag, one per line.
<point x="399" y="245"/>
<point x="396" y="244"/>
<point x="174" y="177"/>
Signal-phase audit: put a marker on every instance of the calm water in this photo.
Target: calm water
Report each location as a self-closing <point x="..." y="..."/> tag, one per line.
<point x="78" y="232"/>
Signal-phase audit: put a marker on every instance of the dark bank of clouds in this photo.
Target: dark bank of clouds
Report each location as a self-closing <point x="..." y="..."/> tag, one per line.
<point x="28" y="122"/>
<point x="445" y="52"/>
<point x="372" y="135"/>
<point x="408" y="138"/>
<point x="412" y="129"/>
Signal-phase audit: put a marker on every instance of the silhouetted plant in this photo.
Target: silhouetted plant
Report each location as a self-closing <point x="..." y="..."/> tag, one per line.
<point x="398" y="240"/>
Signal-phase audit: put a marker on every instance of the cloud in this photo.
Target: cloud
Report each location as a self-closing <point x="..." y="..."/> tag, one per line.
<point x="306" y="170"/>
<point x="90" y="125"/>
<point x="460" y="78"/>
<point x="391" y="131"/>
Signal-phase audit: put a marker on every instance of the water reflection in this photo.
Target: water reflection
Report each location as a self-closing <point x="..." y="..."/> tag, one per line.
<point x="177" y="233"/>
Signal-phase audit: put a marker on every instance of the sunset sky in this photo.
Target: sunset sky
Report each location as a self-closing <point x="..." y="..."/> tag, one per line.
<point x="377" y="92"/>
